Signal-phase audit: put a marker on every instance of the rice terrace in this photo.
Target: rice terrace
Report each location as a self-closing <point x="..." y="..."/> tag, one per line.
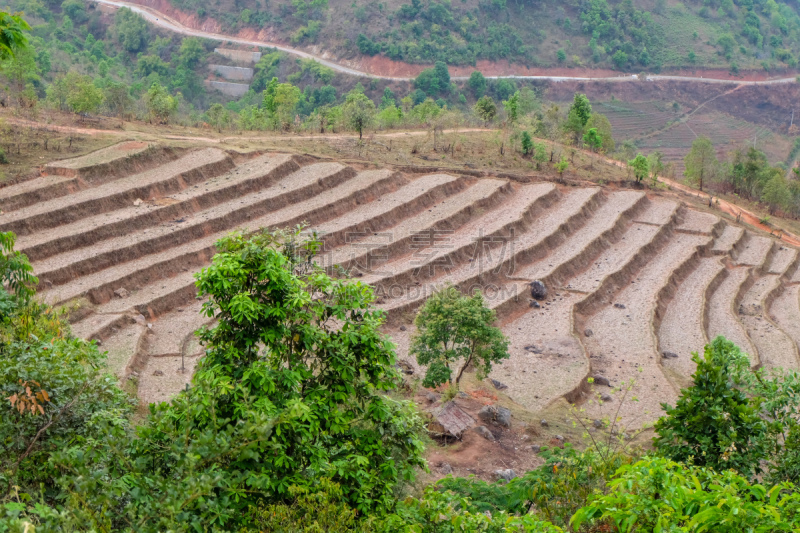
<point x="636" y="280"/>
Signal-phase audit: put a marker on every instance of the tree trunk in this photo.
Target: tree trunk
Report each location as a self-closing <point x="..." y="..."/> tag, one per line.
<point x="461" y="372"/>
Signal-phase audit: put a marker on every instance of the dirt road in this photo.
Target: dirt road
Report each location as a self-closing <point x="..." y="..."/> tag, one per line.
<point x="164" y="21"/>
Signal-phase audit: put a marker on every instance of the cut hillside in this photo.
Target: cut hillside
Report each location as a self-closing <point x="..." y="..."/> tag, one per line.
<point x="636" y="279"/>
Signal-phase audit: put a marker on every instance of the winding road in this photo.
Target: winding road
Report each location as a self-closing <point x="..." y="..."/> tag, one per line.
<point x="164" y="21"/>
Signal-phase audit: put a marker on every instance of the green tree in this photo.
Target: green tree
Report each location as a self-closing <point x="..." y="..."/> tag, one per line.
<point x="218" y="116"/>
<point x="620" y="59"/>
<point x="776" y="193"/>
<point x="578" y="115"/>
<point x="640" y="166"/>
<point x="74" y="9"/>
<point x="191" y="53"/>
<point x="562" y="166"/>
<point x="485" y="108"/>
<point x="512" y="107"/>
<point x="358" y="111"/>
<point x="452" y="328"/>
<point x="561" y="55"/>
<point x="701" y="161"/>
<point x="539" y="154"/>
<point x="285" y="102"/>
<point x="84" y="97"/>
<point x="12" y="36"/>
<point x="593" y="140"/>
<point x="118" y="98"/>
<point x="131" y="30"/>
<point x="160" y="104"/>
<point x="656" y="164"/>
<point x="603" y="126"/>
<point x="714" y="423"/>
<point x="292" y="389"/>
<point x="477" y="83"/>
<point x="16" y="273"/>
<point x="527" y="143"/>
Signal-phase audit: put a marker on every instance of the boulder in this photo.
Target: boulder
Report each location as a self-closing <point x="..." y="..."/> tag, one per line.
<point x="498" y="385"/>
<point x="484" y="432"/>
<point x="402" y="328"/>
<point x="598" y="424"/>
<point x="544" y="423"/>
<point x="497" y="415"/>
<point x="506" y="475"/>
<point x="535" y="304"/>
<point x="503" y="417"/>
<point x="606" y="397"/>
<point x="432" y="397"/>
<point x="445" y="469"/>
<point x="536" y="448"/>
<point x="405" y="367"/>
<point x="538" y="290"/>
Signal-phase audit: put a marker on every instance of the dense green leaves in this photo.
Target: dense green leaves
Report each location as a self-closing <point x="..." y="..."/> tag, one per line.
<point x="453" y="329"/>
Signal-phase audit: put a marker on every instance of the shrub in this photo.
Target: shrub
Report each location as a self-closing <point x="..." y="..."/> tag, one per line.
<point x="714" y="423"/>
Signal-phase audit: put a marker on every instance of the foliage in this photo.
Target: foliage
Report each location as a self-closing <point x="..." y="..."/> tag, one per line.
<point x="160" y="104"/>
<point x="512" y="107"/>
<point x="592" y="139"/>
<point x="660" y="495"/>
<point x="452" y="327"/>
<point x="485" y="108"/>
<point x="714" y="423"/>
<point x="656" y="165"/>
<point x="477" y="83"/>
<point x="578" y="115"/>
<point x="358" y="111"/>
<point x="527" y="143"/>
<point x="83" y="97"/>
<point x="292" y="389"/>
<point x="563" y="484"/>
<point x="601" y="123"/>
<point x="640" y="166"/>
<point x="132" y="31"/>
<point x="12" y="38"/>
<point x="701" y="161"/>
<point x="562" y="165"/>
<point x="16" y="272"/>
<point x="434" y="81"/>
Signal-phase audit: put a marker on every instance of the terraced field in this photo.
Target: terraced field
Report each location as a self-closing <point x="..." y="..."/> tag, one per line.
<point x="636" y="280"/>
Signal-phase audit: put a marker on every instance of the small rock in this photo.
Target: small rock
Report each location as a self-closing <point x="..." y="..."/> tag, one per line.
<point x="498" y="385"/>
<point x="669" y="355"/>
<point x="525" y="437"/>
<point x="487" y="413"/>
<point x="149" y="325"/>
<point x="402" y="328"/>
<point x="598" y="424"/>
<point x="506" y="474"/>
<point x="98" y="342"/>
<point x="559" y="438"/>
<point x="544" y="423"/>
<point x="47" y="283"/>
<point x="405" y="367"/>
<point x="140" y="320"/>
<point x="121" y="293"/>
<point x="619" y="306"/>
<point x="432" y="397"/>
<point x="134" y="374"/>
<point x="588" y="333"/>
<point x="462" y="394"/>
<point x="503" y="417"/>
<point x="606" y="397"/>
<point x="535" y="304"/>
<point x="538" y="290"/>
<point x="137" y="202"/>
<point x="158" y="373"/>
<point x="600" y="380"/>
<point x="533" y="349"/>
<point x="484" y="432"/>
<point x="446" y="469"/>
<point x="536" y="448"/>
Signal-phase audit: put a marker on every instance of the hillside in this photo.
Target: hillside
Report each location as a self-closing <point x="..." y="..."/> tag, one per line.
<point x="628" y="36"/>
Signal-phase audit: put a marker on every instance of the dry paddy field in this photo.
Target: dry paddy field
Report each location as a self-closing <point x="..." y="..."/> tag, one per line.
<point x="636" y="280"/>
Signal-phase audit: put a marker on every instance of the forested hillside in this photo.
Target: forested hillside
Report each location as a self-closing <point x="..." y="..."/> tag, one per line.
<point x="626" y="35"/>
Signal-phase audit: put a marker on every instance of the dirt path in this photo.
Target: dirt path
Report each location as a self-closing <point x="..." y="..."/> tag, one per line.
<point x="162" y="20"/>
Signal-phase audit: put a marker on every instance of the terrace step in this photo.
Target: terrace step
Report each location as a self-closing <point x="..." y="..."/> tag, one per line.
<point x="757" y="251"/>
<point x="623" y="345"/>
<point x="440" y="219"/>
<point x="700" y="223"/>
<point x="61" y="178"/>
<point x="177" y="175"/>
<point x="681" y="330"/>
<point x="545" y="234"/>
<point x="730" y="241"/>
<point x="722" y="317"/>
<point x="492" y="229"/>
<point x="547" y="360"/>
<point x="784" y="308"/>
<point x="775" y="348"/>
<point x="99" y="287"/>
<point x="315" y="179"/>
<point x="247" y="178"/>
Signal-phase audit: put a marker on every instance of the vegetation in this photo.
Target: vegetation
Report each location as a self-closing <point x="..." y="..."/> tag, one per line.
<point x="452" y="328"/>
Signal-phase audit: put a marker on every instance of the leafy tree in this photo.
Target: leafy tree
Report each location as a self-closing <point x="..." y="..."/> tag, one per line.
<point x="12" y="37"/>
<point x="292" y="389"/>
<point x="512" y="107"/>
<point x="539" y="154"/>
<point x="358" y="111"/>
<point x="562" y="166"/>
<point x="701" y="161"/>
<point x="191" y="53"/>
<point x="485" y="108"/>
<point x="527" y="143"/>
<point x="578" y="115"/>
<point x="714" y="423"/>
<point x="776" y="193"/>
<point x="620" y="59"/>
<point x="433" y="81"/>
<point x="132" y="31"/>
<point x="285" y="102"/>
<point x="75" y="9"/>
<point x="592" y="139"/>
<point x="656" y="164"/>
<point x="118" y="98"/>
<point x="561" y="55"/>
<point x="160" y="104"/>
<point x="149" y="64"/>
<point x="451" y="328"/>
<point x="640" y="166"/>
<point x="601" y="123"/>
<point x="388" y="99"/>
<point x="477" y="83"/>
<point x="84" y="97"/>
<point x="218" y="116"/>
<point x="16" y="273"/>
